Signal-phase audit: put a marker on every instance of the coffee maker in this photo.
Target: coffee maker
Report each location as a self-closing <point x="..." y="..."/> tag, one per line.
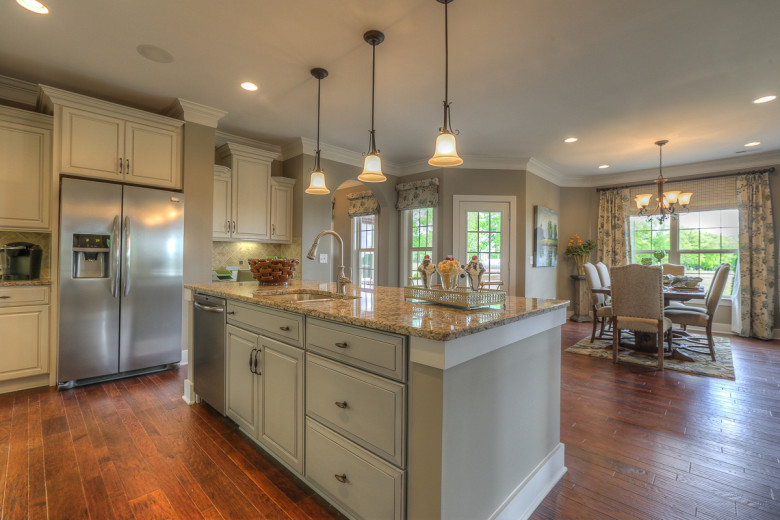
<point x="21" y="261"/>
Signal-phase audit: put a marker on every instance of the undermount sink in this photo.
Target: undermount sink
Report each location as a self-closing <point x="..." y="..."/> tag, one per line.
<point x="304" y="296"/>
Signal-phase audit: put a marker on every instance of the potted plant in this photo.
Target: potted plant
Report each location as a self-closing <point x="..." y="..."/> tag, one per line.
<point x="580" y="251"/>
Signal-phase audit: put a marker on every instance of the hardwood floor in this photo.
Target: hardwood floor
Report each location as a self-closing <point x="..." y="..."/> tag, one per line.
<point x="639" y="444"/>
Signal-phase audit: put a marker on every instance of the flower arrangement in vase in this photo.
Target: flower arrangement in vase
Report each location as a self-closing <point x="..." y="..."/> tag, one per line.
<point x="580" y="251"/>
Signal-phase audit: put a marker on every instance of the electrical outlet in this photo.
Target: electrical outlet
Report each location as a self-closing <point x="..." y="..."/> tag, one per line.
<point x="531" y="260"/>
<point x="323" y="258"/>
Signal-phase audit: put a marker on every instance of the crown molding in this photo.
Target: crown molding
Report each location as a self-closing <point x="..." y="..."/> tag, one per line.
<point x="224" y="137"/>
<point x="742" y="162"/>
<point x="231" y="148"/>
<point x="26" y="117"/>
<point x="545" y="171"/>
<point x="192" y="112"/>
<point x="18" y="91"/>
<point x="304" y="145"/>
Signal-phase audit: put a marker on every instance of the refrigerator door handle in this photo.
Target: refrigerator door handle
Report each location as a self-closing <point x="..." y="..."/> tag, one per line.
<point x="115" y="258"/>
<point x="126" y="267"/>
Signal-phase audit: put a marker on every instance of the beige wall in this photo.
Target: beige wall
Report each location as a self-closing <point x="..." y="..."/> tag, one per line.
<point x="540" y="282"/>
<point x="578" y="215"/>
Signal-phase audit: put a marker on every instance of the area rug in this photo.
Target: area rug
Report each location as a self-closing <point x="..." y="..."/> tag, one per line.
<point x="723" y="367"/>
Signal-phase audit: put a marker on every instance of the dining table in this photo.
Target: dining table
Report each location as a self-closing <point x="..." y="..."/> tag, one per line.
<point x="647" y="342"/>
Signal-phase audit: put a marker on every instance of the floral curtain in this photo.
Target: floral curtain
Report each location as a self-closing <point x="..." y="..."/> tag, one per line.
<point x="614" y="242"/>
<point x="418" y="194"/>
<point x="756" y="271"/>
<point x="362" y="203"/>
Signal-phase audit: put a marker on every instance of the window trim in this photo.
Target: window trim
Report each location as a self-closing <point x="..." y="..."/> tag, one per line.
<point x="405" y="230"/>
<point x="356" y="250"/>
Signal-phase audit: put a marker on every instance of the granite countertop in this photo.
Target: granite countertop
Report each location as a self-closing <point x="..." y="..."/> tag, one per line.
<point x="384" y="308"/>
<point x="14" y="283"/>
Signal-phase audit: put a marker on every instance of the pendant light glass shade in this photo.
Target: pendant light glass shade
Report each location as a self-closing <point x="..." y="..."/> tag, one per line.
<point x="446" y="152"/>
<point x="372" y="165"/>
<point x="317" y="183"/>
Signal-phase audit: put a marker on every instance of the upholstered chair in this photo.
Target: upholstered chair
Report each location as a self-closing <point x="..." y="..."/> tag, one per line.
<point x="674" y="269"/>
<point x="604" y="274"/>
<point x="638" y="305"/>
<point x="675" y="305"/>
<point x="601" y="309"/>
<point x="697" y="318"/>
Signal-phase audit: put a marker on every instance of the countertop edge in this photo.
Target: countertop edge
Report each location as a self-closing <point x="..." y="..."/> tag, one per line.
<point x="21" y="283"/>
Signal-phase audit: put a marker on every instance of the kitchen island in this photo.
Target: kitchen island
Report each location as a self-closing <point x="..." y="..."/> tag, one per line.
<point x="466" y="422"/>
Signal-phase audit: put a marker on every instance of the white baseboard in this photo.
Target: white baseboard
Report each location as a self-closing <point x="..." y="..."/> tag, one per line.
<point x="189" y="392"/>
<point x="527" y="496"/>
<point x="185" y="357"/>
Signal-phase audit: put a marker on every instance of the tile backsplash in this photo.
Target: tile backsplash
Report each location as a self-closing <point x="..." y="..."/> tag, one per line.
<point x="233" y="253"/>
<point x="41" y="239"/>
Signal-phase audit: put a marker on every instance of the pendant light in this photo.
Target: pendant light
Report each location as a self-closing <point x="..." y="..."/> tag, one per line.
<point x="666" y="201"/>
<point x="372" y="166"/>
<point x="317" y="183"/>
<point x="445" y="152"/>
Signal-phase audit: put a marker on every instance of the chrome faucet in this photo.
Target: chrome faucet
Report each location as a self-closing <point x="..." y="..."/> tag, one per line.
<point x="342" y="279"/>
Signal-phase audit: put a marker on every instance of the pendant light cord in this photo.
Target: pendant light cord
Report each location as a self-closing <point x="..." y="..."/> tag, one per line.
<point x="372" y="140"/>
<point x="319" y="91"/>
<point x="446" y="62"/>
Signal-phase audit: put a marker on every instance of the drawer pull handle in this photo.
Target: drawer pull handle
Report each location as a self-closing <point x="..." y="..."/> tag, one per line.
<point x="342" y="345"/>
<point x="231" y="312"/>
<point x="4" y="297"/>
<point x="341" y="404"/>
<point x="285" y="328"/>
<point x="341" y="478"/>
<point x="251" y="355"/>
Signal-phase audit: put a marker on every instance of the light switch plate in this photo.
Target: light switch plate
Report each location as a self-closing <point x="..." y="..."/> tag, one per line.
<point x="323" y="258"/>
<point x="531" y="260"/>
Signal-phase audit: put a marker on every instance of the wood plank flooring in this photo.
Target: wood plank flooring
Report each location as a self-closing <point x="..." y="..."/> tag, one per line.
<point x="639" y="445"/>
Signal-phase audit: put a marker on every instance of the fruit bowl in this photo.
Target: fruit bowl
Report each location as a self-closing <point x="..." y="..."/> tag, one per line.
<point x="273" y="271"/>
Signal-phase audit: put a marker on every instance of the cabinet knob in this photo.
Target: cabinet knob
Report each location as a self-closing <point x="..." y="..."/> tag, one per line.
<point x="341" y="404"/>
<point x="4" y="297"/>
<point x="342" y="345"/>
<point x="231" y="312"/>
<point x="341" y="478"/>
<point x="285" y="328"/>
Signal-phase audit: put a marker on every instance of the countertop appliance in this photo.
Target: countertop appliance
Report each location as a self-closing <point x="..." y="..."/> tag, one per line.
<point x="209" y="350"/>
<point x="120" y="295"/>
<point x="21" y="261"/>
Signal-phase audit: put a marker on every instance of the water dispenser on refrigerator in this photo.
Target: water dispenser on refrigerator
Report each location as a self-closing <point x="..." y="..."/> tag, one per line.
<point x="90" y="255"/>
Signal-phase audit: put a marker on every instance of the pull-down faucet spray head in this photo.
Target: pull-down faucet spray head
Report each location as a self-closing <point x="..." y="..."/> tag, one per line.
<point x="313" y="250"/>
<point x="342" y="278"/>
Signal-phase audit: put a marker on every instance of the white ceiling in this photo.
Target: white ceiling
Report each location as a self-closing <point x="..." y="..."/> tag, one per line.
<point x="524" y="75"/>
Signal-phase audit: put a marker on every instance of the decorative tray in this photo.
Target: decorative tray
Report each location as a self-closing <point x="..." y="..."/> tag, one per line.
<point x="459" y="297"/>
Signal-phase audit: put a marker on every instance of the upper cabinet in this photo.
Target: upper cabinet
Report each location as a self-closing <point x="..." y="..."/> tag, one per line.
<point x="25" y="169"/>
<point x="94" y="138"/>
<point x="248" y="214"/>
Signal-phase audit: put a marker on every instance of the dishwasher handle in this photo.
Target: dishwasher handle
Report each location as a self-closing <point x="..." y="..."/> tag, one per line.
<point x="208" y="308"/>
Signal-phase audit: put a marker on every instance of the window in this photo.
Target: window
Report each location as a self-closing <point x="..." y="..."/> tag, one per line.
<point x="364" y="237"/>
<point x="419" y="240"/>
<point x="483" y="239"/>
<point x="699" y="240"/>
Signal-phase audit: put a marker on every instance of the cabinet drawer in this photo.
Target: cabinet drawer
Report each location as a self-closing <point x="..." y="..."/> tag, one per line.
<point x="25" y="295"/>
<point x="372" y="489"/>
<point x="378" y="352"/>
<point x="365" y="408"/>
<point x="284" y="326"/>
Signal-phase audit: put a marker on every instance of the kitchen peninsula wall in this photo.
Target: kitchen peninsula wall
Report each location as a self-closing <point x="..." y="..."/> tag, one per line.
<point x="41" y="239"/>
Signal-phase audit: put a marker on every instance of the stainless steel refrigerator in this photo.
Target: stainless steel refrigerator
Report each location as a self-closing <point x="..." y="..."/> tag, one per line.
<point x="120" y="279"/>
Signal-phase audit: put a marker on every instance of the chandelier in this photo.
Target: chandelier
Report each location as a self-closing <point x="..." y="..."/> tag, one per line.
<point x="666" y="202"/>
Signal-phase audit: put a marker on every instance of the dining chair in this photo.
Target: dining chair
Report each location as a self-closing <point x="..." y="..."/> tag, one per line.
<point x="702" y="317"/>
<point x="604" y="274"/>
<point x="601" y="309"/>
<point x="638" y="305"/>
<point x="677" y="305"/>
<point x="674" y="269"/>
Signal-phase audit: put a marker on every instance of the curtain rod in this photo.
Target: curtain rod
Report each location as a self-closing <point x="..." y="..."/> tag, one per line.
<point x="749" y="172"/>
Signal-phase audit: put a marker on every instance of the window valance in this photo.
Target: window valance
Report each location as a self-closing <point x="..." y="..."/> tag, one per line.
<point x="362" y="203"/>
<point x="708" y="194"/>
<point x="418" y="194"/>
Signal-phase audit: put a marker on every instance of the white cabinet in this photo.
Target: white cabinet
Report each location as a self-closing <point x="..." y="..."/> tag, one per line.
<point x="281" y="209"/>
<point x="241" y="349"/>
<point x="24" y="329"/>
<point x="25" y="169"/>
<point x="250" y="209"/>
<point x="94" y="138"/>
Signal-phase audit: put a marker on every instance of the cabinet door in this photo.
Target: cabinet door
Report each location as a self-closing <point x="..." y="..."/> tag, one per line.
<point x="152" y="155"/>
<point x="281" y="212"/>
<point x="221" y="227"/>
<point x="281" y="402"/>
<point x="251" y="182"/>
<point x="25" y="170"/>
<point x="242" y="391"/>
<point x="92" y="144"/>
<point x="24" y="349"/>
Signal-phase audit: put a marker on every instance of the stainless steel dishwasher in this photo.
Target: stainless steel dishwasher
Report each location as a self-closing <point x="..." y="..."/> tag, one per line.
<point x="209" y="350"/>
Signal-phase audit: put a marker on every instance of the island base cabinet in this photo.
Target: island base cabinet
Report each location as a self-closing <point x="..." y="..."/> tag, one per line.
<point x="281" y="401"/>
<point x="360" y="483"/>
<point x="242" y="393"/>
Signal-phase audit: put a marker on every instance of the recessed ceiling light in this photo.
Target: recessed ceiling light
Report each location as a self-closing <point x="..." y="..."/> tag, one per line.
<point x="248" y="85"/>
<point x="765" y="99"/>
<point x="753" y="143"/>
<point x="154" y="53"/>
<point x="570" y="140"/>
<point x="603" y="166"/>
<point x="34" y="6"/>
